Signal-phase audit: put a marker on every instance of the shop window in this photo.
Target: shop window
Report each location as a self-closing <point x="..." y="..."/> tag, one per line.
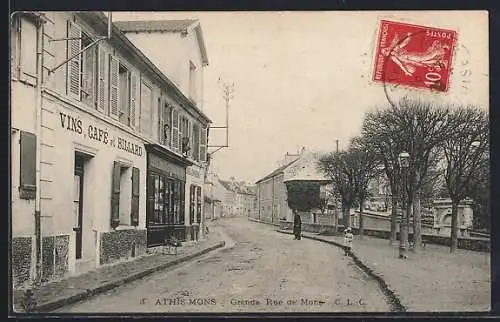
<point x="125" y="196"/>
<point x="167" y="206"/>
<point x="23" y="49"/>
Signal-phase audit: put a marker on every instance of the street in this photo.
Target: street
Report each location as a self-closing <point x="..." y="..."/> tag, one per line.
<point x="263" y="271"/>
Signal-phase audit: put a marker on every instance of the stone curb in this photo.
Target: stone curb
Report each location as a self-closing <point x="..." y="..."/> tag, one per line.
<point x="53" y="305"/>
<point x="396" y="304"/>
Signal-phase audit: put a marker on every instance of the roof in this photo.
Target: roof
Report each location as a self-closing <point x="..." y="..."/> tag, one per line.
<point x="100" y="19"/>
<point x="305" y="170"/>
<point x="238" y="186"/>
<point x="276" y="172"/>
<point x="182" y="26"/>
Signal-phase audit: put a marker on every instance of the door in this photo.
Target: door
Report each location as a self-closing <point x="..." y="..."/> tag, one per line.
<point x="78" y="205"/>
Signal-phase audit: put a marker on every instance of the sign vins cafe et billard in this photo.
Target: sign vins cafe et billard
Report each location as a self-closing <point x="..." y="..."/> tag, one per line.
<point x="98" y="134"/>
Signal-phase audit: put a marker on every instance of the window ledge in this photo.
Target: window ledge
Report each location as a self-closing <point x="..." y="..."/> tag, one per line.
<point x="125" y="227"/>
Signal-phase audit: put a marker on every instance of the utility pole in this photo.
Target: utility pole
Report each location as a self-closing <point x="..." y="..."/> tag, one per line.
<point x="337" y="145"/>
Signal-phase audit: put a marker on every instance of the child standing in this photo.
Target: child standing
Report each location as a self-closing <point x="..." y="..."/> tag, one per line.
<point x="348" y="236"/>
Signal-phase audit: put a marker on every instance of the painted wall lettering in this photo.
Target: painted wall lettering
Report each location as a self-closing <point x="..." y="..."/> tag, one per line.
<point x="98" y="134"/>
<point x="71" y="123"/>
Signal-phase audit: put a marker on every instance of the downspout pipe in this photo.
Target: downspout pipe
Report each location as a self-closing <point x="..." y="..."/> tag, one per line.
<point x="38" y="133"/>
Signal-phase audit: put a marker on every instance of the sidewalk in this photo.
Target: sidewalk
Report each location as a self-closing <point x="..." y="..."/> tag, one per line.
<point x="73" y="289"/>
<point x="430" y="281"/>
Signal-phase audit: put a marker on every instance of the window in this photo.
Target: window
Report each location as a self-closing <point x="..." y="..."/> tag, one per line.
<point x="146" y="107"/>
<point x="168" y="202"/>
<point x="167" y="125"/>
<point x="175" y="130"/>
<point x="195" y="204"/>
<point x="23" y="49"/>
<point x="125" y="196"/>
<point x="185" y="131"/>
<point x="124" y="92"/>
<point x="88" y="71"/>
<point x="196" y="142"/>
<point x="27" y="180"/>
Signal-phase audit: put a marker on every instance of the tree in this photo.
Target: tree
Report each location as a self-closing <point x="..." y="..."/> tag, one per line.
<point x="380" y="135"/>
<point x="365" y="168"/>
<point x="465" y="152"/>
<point x="337" y="167"/>
<point x="303" y="195"/>
<point x="415" y="127"/>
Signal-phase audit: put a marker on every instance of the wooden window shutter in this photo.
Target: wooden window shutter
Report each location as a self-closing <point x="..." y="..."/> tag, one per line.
<point x="134" y="216"/>
<point x="134" y="88"/>
<point x="74" y="68"/>
<point x="102" y="95"/>
<point x="88" y="75"/>
<point x="114" y="98"/>
<point x="159" y="114"/>
<point x="27" y="182"/>
<point x="167" y="126"/>
<point x="115" y="195"/>
<point x="203" y="143"/>
<point x="175" y="130"/>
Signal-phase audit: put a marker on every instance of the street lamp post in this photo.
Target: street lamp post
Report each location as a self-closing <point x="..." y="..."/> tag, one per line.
<point x="404" y="162"/>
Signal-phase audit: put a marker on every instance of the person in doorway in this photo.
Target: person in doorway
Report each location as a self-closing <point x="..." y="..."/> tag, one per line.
<point x="297" y="225"/>
<point x="348" y="236"/>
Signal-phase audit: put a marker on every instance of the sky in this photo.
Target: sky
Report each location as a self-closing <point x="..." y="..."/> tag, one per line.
<point x="304" y="78"/>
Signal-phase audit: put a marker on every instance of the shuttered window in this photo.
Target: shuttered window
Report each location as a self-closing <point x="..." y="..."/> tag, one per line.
<point x="124" y="95"/>
<point x="88" y="72"/>
<point x="146" y="107"/>
<point x="114" y="98"/>
<point x="167" y="125"/>
<point x="196" y="142"/>
<point x="102" y="89"/>
<point x="203" y="143"/>
<point x="175" y="130"/>
<point x="160" y="120"/>
<point x="115" y="195"/>
<point x="134" y="94"/>
<point x="134" y="215"/>
<point x="74" y="65"/>
<point x="27" y="182"/>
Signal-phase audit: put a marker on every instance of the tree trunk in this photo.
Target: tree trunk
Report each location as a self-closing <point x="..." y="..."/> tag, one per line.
<point x="346" y="216"/>
<point x="454" y="226"/>
<point x="335" y="218"/>
<point x="361" y="228"/>
<point x="394" y="215"/>
<point x="417" y="223"/>
<point x="403" y="231"/>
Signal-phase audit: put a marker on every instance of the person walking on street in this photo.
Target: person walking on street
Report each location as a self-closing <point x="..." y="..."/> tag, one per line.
<point x="297" y="223"/>
<point x="348" y="236"/>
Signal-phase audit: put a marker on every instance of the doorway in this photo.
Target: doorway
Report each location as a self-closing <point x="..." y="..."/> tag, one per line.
<point x="78" y="203"/>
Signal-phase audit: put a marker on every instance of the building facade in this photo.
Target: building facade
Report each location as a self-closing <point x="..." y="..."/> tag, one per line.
<point x="183" y="63"/>
<point x="239" y="198"/>
<point x="101" y="140"/>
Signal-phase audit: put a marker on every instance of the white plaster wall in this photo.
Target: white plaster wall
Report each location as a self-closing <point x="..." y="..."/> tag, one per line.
<point x="171" y="53"/>
<point x="23" y="117"/>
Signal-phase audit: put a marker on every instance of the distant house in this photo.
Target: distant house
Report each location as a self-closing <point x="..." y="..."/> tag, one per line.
<point x="239" y="198"/>
<point x="272" y="195"/>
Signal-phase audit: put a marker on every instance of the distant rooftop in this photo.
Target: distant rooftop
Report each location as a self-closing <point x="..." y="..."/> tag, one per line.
<point x="155" y="25"/>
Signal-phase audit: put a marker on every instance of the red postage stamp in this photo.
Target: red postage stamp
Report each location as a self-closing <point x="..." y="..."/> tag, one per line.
<point x="413" y="55"/>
